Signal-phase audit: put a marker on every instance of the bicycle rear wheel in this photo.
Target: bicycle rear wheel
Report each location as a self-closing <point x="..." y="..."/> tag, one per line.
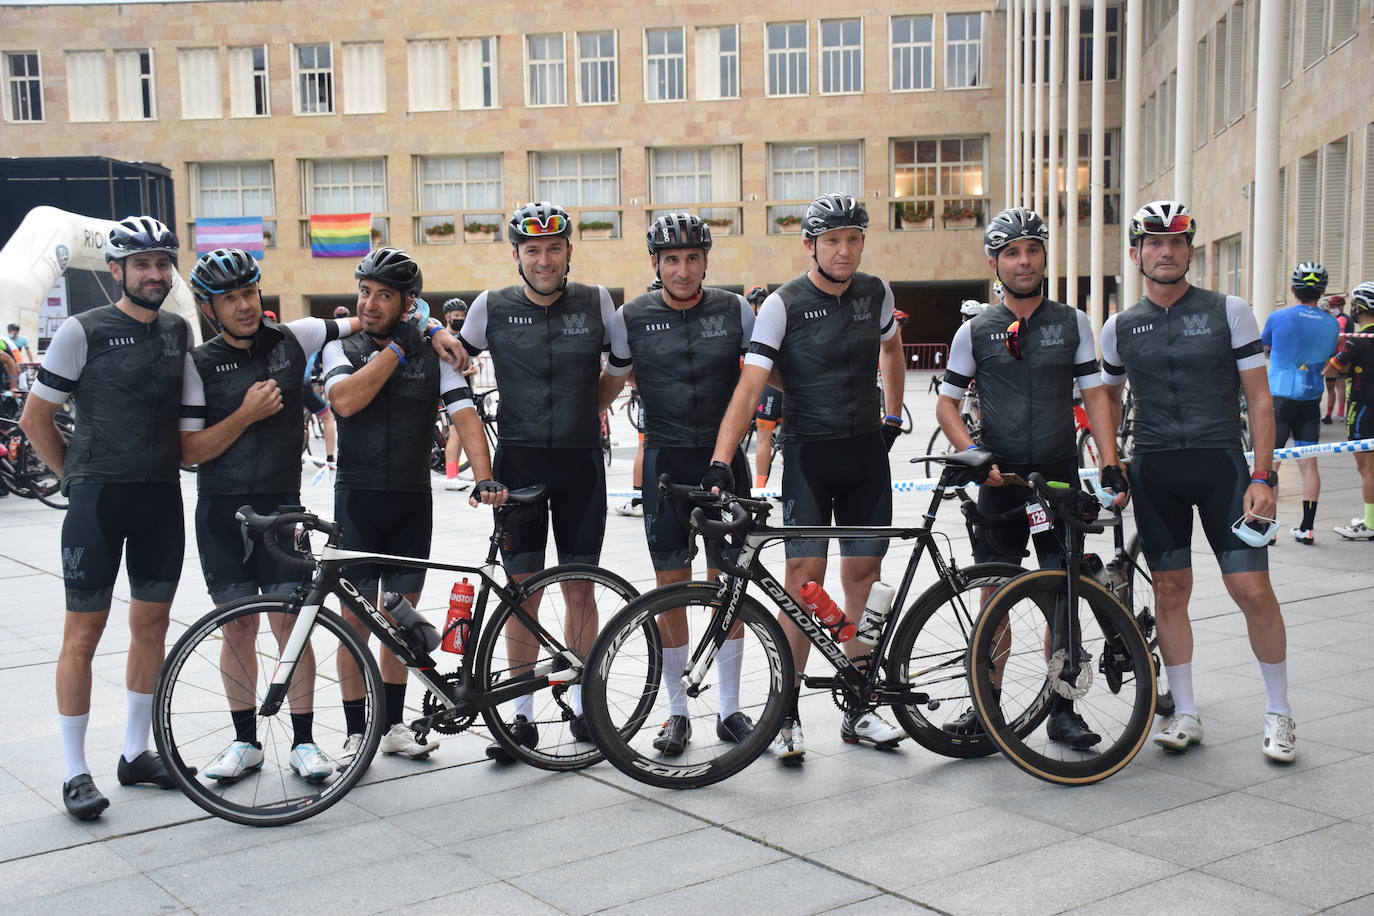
<point x="928" y="655"/>
<point x="1016" y="658"/>
<point x="227" y="658"/>
<point x="632" y="685"/>
<point x="507" y="652"/>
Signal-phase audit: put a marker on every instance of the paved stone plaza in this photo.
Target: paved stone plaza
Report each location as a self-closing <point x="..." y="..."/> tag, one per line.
<point x="1218" y="830"/>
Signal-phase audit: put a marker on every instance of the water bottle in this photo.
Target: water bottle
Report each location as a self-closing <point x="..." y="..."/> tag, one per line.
<point x="876" y="609"/>
<point x="827" y="612"/>
<point x="419" y="633"/>
<point x="459" y="621"/>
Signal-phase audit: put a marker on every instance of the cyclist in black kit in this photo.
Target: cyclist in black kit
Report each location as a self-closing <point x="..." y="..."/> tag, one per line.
<point x="685" y="340"/>
<point x="383" y="385"/>
<point x="1026" y="354"/>
<point x="827" y="332"/>
<point x="241" y="404"/>
<point x="545" y="336"/>
<point x="122" y="365"/>
<point x="1189" y="353"/>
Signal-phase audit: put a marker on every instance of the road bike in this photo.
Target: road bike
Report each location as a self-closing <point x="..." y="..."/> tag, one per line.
<point x="288" y="654"/>
<point x="23" y="473"/>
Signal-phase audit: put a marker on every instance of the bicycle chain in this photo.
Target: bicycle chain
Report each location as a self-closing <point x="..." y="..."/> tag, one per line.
<point x="430" y="706"/>
<point x="845" y="699"/>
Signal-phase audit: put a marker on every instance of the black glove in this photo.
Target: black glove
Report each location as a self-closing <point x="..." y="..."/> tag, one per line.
<point x="718" y="476"/>
<point x="1083" y="505"/>
<point x="1114" y="479"/>
<point x="890" y="433"/>
<point x="409" y="338"/>
<point x="488" y="486"/>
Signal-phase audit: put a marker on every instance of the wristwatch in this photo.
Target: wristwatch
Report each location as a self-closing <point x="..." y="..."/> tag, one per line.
<point x="1272" y="479"/>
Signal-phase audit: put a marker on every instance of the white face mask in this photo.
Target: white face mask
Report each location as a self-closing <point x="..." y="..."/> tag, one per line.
<point x="1243" y="529"/>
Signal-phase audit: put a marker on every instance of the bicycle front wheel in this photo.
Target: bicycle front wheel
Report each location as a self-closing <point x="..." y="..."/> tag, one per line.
<point x="927" y="656"/>
<point x="568" y="601"/>
<point x="635" y="683"/>
<point x="223" y="664"/>
<point x="1100" y="671"/>
<point x="1137" y="595"/>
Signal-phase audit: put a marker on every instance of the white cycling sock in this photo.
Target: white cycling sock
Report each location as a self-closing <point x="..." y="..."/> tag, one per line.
<point x="728" y="662"/>
<point x="674" y="661"/>
<point x="73" y="730"/>
<point x="1276" y="686"/>
<point x="1181" y="686"/>
<point x="575" y="699"/>
<point x="139" y="723"/>
<point x="524" y="706"/>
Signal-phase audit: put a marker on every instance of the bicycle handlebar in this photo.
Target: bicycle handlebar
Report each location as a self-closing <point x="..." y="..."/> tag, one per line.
<point x="1056" y="500"/>
<point x="267" y="526"/>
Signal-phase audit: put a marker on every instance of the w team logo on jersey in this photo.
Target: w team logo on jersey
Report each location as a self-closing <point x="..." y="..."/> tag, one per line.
<point x="1052" y="336"/>
<point x="278" y="359"/>
<point x="171" y="344"/>
<point x="712" y="326"/>
<point x="1195" y="326"/>
<point x="575" y="324"/>
<point x="863" y="308"/>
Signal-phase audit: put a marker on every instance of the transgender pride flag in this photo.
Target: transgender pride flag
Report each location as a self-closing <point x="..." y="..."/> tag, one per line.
<point x="340" y="235"/>
<point x="242" y="232"/>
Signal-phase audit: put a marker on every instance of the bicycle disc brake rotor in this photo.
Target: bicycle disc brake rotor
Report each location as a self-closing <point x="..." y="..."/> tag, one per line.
<point x="430" y="706"/>
<point x="1065" y="689"/>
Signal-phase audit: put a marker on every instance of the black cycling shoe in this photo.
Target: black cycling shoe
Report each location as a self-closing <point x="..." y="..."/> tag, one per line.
<point x="1067" y="727"/>
<point x="525" y="734"/>
<point x="734" y="727"/>
<point x="83" y="800"/>
<point x="673" y="736"/>
<point x="967" y="725"/>
<point x="579" y="728"/>
<point x="145" y="769"/>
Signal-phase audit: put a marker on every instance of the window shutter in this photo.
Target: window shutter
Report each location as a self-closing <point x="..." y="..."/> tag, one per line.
<point x="1335" y="210"/>
<point x="1308" y="209"/>
<point x="364" y="78"/>
<point x="1219" y="40"/>
<point x="1200" y="94"/>
<point x="1313" y="32"/>
<point x="1235" y="66"/>
<point x="428" y="75"/>
<point x="88" y="94"/>
<point x="1281" y="265"/>
<point x="200" y="92"/>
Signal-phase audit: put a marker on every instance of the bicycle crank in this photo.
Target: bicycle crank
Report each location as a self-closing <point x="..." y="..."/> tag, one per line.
<point x="441" y="719"/>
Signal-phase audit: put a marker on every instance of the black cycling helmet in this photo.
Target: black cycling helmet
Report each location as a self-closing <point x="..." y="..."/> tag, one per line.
<point x="393" y="267"/>
<point x="834" y="211"/>
<point x="1362" y="298"/>
<point x="538" y="220"/>
<point x="756" y="295"/>
<point x="135" y="234"/>
<point x="1310" y="276"/>
<point x="1012" y="224"/>
<point x="1162" y="217"/>
<point x="341" y="311"/>
<point x="454" y="305"/>
<point x="223" y="270"/>
<point x="678" y="230"/>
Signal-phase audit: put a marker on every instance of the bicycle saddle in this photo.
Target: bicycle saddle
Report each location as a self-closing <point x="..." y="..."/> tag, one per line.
<point x="974" y="458"/>
<point x="526" y="496"/>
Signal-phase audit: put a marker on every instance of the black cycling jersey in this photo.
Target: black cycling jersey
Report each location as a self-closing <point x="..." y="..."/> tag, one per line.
<point x="1026" y="403"/>
<point x="1184" y="363"/>
<point x="686" y="363"/>
<point x="1355" y="356"/>
<point x="386" y="445"/>
<point x="125" y="378"/>
<point x="267" y="457"/>
<point x="826" y="349"/>
<point x="547" y="361"/>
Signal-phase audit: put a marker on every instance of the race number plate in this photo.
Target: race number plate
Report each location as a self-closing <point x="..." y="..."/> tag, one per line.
<point x="1037" y="518"/>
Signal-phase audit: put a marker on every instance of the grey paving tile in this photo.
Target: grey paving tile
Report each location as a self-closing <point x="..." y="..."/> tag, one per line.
<point x="496" y="899"/>
<point x="1360" y="906"/>
<point x="1046" y="879"/>
<point x="26" y="879"/>
<point x="24" y="805"/>
<point x="878" y="905"/>
<point x="644" y="870"/>
<point x="1193" y="892"/>
<point x="439" y="784"/>
<point x="1239" y="763"/>
<point x="809" y="889"/>
<point x="1340" y="854"/>
<point x="135" y="895"/>
<point x="1340" y="789"/>
<point x="42" y="835"/>
<point x="1134" y="792"/>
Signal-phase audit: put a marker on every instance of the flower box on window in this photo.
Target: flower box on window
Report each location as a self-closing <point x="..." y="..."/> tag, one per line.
<point x="720" y="227"/>
<point x="790" y="223"/>
<point x="480" y="232"/>
<point x="595" y="229"/>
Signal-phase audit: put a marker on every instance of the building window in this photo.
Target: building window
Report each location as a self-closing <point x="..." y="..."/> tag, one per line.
<point x="134" y="85"/>
<point x="1085" y="44"/>
<point x="963" y="50"/>
<point x="1111" y="168"/>
<point x="1313" y="31"/>
<point x="364" y="78"/>
<point x="913" y="53"/>
<point x="1344" y="14"/>
<point x="232" y="188"/>
<point x="1230" y="261"/>
<point x="717" y="62"/>
<point x="804" y="171"/>
<point x="547" y="80"/>
<point x="596" y="68"/>
<point x="787" y="59"/>
<point x="1235" y="63"/>
<point x="587" y="181"/>
<point x="460" y="183"/>
<point x="1335" y="210"/>
<point x="345" y="186"/>
<point x="681" y="176"/>
<point x="427" y="75"/>
<point x="477" y="85"/>
<point x="1281" y="265"/>
<point x="88" y="94"/>
<point x="314" y="83"/>
<point x="249" y="94"/>
<point x="941" y="177"/>
<point x="665" y="65"/>
<point x="1200" y="94"/>
<point x="200" y="92"/>
<point x="23" y="86"/>
<point x="842" y="56"/>
<point x="1286" y="64"/>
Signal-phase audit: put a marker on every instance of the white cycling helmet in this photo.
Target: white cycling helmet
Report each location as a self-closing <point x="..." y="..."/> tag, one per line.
<point x="971" y="307"/>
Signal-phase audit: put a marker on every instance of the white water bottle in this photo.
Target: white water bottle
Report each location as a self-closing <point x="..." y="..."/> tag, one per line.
<point x="876" y="609"/>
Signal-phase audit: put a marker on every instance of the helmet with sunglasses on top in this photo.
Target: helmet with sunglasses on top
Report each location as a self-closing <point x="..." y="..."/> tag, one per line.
<point x="538" y="221"/>
<point x="1162" y="217"/>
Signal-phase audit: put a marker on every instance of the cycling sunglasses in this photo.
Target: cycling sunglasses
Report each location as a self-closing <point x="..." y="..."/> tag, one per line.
<point x="1013" y="338"/>
<point x="1153" y="225"/>
<point x="533" y="225"/>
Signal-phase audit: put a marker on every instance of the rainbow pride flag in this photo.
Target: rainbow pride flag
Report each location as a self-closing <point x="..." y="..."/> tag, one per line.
<point x="340" y="235"/>
<point x="242" y="232"/>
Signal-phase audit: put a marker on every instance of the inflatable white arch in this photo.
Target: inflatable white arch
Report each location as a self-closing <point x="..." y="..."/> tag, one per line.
<point x="46" y="244"/>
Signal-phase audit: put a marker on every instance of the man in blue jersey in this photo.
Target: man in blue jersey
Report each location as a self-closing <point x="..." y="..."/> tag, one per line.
<point x="1299" y="340"/>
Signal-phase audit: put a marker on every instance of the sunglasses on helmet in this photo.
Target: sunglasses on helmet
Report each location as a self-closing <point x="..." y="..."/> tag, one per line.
<point x="533" y="225"/>
<point x="1154" y="225"/>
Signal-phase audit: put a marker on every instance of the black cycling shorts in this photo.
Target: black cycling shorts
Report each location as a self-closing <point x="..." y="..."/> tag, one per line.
<point x="385" y="521"/>
<point x="1165" y="486"/>
<point x="769" y="409"/>
<point x="1359" y="421"/>
<point x="1302" y="420"/>
<point x="102" y="518"/>
<point x="313" y="402"/>
<point x="229" y="574"/>
<point x="666" y="526"/>
<point x="844" y="479"/>
<point x="576" y="482"/>
<point x="1005" y="542"/>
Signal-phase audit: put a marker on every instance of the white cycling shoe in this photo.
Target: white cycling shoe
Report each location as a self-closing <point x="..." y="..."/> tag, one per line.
<point x="311" y="763"/>
<point x="1280" y="737"/>
<point x="1179" y="733"/>
<point x="234" y="761"/>
<point x="401" y="740"/>
<point x="870" y="728"/>
<point x="788" y="746"/>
